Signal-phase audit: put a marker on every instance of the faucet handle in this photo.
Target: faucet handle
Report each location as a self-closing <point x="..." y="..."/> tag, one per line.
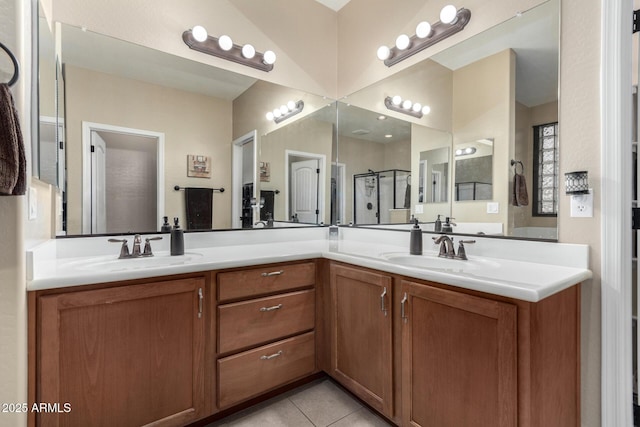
<point x="124" y="249"/>
<point x="462" y="253"/>
<point x="137" y="240"/>
<point x="147" y="245"/>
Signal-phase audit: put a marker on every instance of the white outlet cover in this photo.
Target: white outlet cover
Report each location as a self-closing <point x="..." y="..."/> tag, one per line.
<point x="493" y="207"/>
<point x="582" y="205"/>
<point x="418" y="209"/>
<point x="33" y="203"/>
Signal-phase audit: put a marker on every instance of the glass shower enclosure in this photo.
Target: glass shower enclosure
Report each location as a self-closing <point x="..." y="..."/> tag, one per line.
<point x="376" y="195"/>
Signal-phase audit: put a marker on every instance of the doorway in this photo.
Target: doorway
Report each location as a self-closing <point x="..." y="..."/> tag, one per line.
<point x="244" y="181"/>
<point x="123" y="179"/>
<point x="305" y="186"/>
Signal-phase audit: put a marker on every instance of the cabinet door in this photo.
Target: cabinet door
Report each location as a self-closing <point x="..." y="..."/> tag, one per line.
<point x="361" y="350"/>
<point x="125" y="356"/>
<point x="458" y="359"/>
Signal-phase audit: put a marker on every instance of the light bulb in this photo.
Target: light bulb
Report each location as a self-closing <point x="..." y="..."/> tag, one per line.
<point x="417" y="107"/>
<point x="269" y="57"/>
<point x="426" y="110"/>
<point x="458" y="152"/>
<point x="225" y="42"/>
<point x="423" y="30"/>
<point x="291" y="105"/>
<point x="248" y="51"/>
<point x="407" y="104"/>
<point x="396" y="100"/>
<point x="403" y="42"/>
<point x="199" y="33"/>
<point x="283" y="109"/>
<point x="270" y="115"/>
<point x="277" y="113"/>
<point x="448" y="14"/>
<point x="384" y="53"/>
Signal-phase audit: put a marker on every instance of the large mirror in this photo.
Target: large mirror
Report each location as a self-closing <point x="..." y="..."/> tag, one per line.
<point x="487" y="96"/>
<point x="151" y="135"/>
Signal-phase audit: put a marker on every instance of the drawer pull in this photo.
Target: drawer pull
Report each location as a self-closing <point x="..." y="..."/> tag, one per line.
<point x="273" y="273"/>
<point x="271" y="356"/>
<point x="382" y="296"/>
<point x="275" y="307"/>
<point x="402" y="312"/>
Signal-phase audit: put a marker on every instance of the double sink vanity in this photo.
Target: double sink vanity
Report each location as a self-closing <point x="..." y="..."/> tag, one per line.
<point x="423" y="340"/>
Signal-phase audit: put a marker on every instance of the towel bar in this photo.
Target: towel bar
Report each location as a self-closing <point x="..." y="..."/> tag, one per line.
<point x="178" y="188"/>
<point x="16" y="66"/>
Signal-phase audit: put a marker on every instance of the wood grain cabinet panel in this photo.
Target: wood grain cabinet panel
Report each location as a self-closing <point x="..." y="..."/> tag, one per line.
<point x="459" y="359"/>
<point x="269" y="279"/>
<point x="256" y="321"/>
<point x="123" y="356"/>
<point x="362" y="346"/>
<point x="253" y="372"/>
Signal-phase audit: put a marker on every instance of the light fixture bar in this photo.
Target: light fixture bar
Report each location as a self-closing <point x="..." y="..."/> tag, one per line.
<point x="210" y="46"/>
<point x="296" y="110"/>
<point x="388" y="102"/>
<point x="439" y="31"/>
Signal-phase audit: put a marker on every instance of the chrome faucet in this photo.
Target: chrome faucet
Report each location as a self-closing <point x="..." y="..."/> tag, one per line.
<point x="137" y="241"/>
<point x="446" y="246"/>
<point x="462" y="253"/>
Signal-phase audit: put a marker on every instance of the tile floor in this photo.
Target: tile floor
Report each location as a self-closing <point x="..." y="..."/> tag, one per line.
<point x="317" y="404"/>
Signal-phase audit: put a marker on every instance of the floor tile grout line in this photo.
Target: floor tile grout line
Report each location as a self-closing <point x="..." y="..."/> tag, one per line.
<point x="301" y="411"/>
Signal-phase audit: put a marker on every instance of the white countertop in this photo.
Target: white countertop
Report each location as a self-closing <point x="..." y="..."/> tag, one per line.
<point x="534" y="272"/>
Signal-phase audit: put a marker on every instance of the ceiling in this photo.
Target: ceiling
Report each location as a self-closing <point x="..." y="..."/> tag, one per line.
<point x="334" y="4"/>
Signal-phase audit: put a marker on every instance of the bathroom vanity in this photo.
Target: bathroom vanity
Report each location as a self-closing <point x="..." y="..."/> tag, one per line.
<point x="449" y="344"/>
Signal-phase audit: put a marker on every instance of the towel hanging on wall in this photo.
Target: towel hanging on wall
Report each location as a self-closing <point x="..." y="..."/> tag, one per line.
<point x="199" y="204"/>
<point x="13" y="165"/>
<point x="520" y="195"/>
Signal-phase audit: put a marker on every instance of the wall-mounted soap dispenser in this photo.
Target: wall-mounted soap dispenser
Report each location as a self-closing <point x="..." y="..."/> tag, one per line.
<point x="415" y="241"/>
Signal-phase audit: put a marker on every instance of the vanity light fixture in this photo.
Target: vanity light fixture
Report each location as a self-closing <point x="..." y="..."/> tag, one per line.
<point x="406" y="106"/>
<point x="223" y="47"/>
<point x="285" y="111"/>
<point x="465" y="151"/>
<point x="451" y="21"/>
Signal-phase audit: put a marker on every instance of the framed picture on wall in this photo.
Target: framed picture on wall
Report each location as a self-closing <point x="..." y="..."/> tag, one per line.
<point x="265" y="171"/>
<point x="198" y="166"/>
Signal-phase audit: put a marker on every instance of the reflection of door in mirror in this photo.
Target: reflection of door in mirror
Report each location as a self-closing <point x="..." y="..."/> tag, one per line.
<point x="122" y="166"/>
<point x="434" y="176"/>
<point x="305" y="198"/>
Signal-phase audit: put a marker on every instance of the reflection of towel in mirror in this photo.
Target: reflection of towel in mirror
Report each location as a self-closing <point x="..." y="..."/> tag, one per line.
<point x="13" y="174"/>
<point x="199" y="204"/>
<point x="520" y="195"/>
<point x="407" y="197"/>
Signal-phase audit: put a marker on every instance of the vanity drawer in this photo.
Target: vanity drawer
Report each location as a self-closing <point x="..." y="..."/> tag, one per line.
<point x="264" y="280"/>
<point x="253" y="372"/>
<point x="247" y="323"/>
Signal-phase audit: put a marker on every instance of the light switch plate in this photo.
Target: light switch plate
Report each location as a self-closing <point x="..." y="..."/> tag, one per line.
<point x="493" y="207"/>
<point x="33" y="203"/>
<point x="582" y="205"/>
<point x="418" y="209"/>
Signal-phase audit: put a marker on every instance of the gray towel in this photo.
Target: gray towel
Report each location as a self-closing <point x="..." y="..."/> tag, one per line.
<point x="13" y="164"/>
<point x="520" y="195"/>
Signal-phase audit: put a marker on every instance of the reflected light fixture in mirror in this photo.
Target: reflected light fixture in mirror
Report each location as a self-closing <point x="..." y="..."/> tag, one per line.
<point x="406" y="106"/>
<point x="285" y="111"/>
<point x="451" y="21"/>
<point x="223" y="47"/>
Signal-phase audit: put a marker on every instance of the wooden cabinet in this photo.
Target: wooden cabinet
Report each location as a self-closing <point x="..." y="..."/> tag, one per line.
<point x="361" y="334"/>
<point x="265" y="329"/>
<point x="459" y="359"/>
<point x="123" y="356"/>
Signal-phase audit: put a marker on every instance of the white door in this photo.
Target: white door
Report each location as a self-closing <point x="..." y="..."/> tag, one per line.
<point x="304" y="190"/>
<point x="98" y="184"/>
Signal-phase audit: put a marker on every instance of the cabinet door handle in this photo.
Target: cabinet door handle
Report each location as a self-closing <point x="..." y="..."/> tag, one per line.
<point x="274" y="307"/>
<point x="200" y="301"/>
<point x="402" y="303"/>
<point x="265" y="357"/>
<point x="382" y="298"/>
<point x="273" y="273"/>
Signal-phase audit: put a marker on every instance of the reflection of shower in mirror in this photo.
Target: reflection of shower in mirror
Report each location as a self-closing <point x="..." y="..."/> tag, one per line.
<point x="381" y="197"/>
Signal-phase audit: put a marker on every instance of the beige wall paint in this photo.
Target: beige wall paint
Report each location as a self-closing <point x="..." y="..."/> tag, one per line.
<point x="580" y="150"/>
<point x="191" y="123"/>
<point x="484" y="100"/>
<point x="304" y="47"/>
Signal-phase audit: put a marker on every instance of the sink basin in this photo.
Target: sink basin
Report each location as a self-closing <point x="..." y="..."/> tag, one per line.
<point x="111" y="263"/>
<point x="433" y="262"/>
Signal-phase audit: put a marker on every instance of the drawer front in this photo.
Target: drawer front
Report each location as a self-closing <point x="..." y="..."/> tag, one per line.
<point x="253" y="322"/>
<point x="264" y="280"/>
<point x="253" y="372"/>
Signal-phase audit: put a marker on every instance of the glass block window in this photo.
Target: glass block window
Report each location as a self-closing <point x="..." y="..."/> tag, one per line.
<point x="545" y="170"/>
